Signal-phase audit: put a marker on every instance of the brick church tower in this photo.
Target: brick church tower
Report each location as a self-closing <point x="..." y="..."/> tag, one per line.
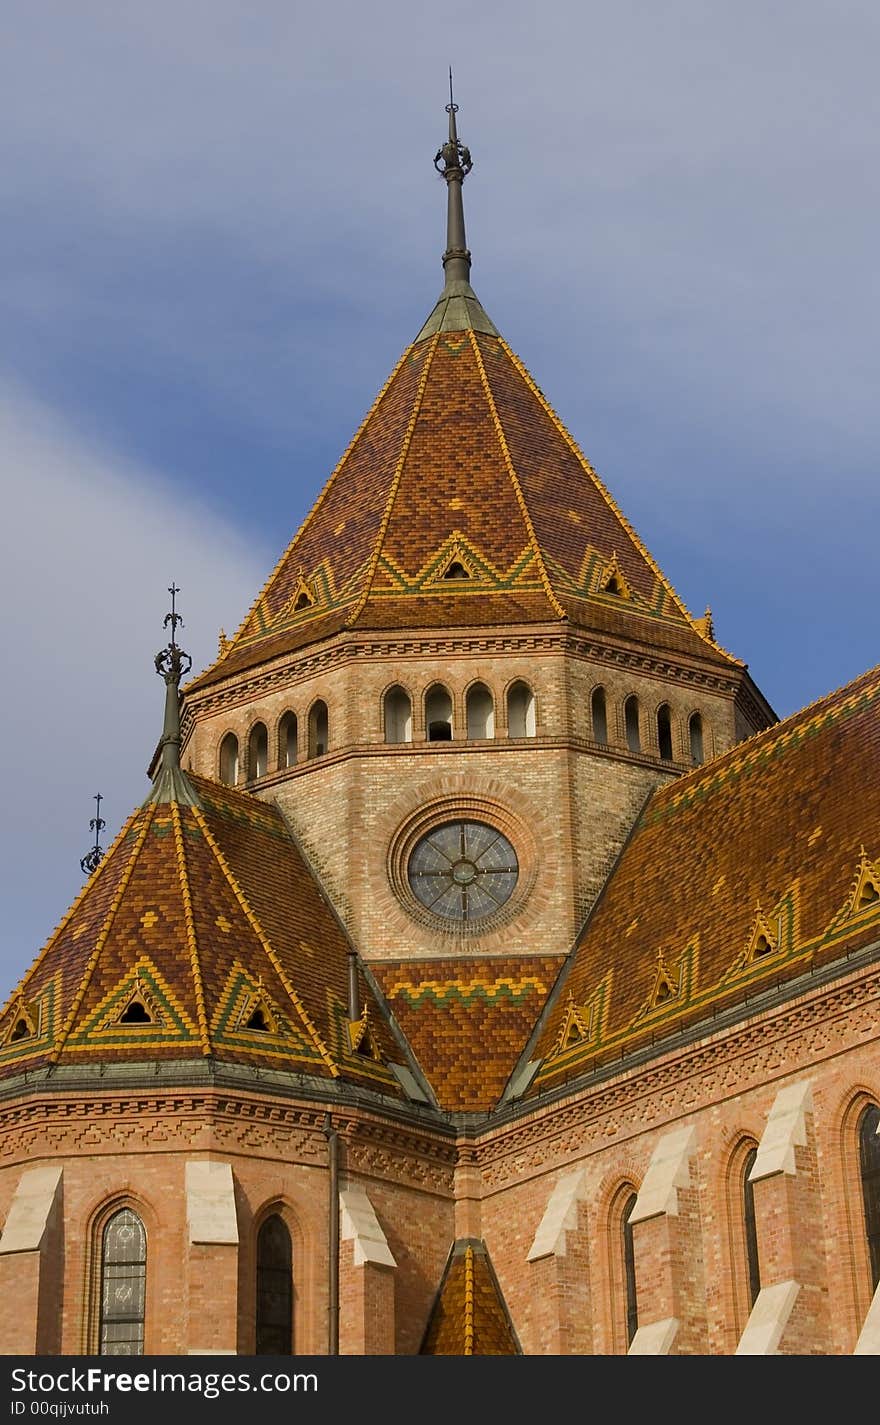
<point x="487" y="971"/>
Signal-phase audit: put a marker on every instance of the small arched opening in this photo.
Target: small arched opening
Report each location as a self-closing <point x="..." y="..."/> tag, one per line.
<point x="438" y="714"/>
<point x="480" y="710"/>
<point x="274" y="1313"/>
<point x="521" y="720"/>
<point x="599" y="716"/>
<point x="664" y="732"/>
<point x="398" y="715"/>
<point x="319" y="729"/>
<point x="229" y="759"/>
<point x="288" y="740"/>
<point x="695" y="733"/>
<point x="258" y="752"/>
<point x="631" y="723"/>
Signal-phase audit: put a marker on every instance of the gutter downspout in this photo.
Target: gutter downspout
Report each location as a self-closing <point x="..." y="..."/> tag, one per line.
<point x="333" y="1263"/>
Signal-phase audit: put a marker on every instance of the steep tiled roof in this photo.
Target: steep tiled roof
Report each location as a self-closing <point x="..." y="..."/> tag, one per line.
<point x="202" y="933"/>
<point x="461" y="461"/>
<point x="757" y="868"/>
<point x="469" y="1317"/>
<point x="467" y="1020"/>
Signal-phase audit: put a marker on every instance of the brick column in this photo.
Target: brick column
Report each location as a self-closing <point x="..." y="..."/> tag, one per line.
<point x="366" y="1279"/>
<point x="667" y="1242"/>
<point x="212" y="1263"/>
<point x="560" y="1270"/>
<point x="32" y="1266"/>
<point x="790" y="1316"/>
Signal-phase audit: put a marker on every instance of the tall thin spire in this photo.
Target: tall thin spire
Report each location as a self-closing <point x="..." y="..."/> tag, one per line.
<point x="453" y="161"/>
<point x="458" y="308"/>
<point x="171" y="783"/>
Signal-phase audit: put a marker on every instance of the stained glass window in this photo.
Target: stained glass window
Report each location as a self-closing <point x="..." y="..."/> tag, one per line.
<point x="751" y="1229"/>
<point x="869" y="1142"/>
<point x="463" y="870"/>
<point x="123" y="1285"/>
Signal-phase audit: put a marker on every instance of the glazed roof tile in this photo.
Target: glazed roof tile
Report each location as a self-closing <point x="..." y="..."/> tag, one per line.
<point x="209" y="921"/>
<point x="468" y="1019"/>
<point x="742" y="875"/>
<point x="460" y="459"/>
<point x="470" y="1317"/>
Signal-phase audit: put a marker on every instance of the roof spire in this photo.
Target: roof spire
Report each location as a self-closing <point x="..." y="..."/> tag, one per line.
<point x="458" y="308"/>
<point x="92" y="859"/>
<point x="456" y="162"/>
<point x="171" y="784"/>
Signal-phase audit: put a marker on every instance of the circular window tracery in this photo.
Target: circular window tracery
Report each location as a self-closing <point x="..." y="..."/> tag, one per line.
<point x="463" y="870"/>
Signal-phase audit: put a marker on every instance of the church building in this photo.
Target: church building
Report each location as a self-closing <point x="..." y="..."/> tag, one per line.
<point x="488" y="970"/>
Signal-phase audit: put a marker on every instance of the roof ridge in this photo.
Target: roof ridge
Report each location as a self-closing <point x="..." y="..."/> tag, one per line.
<point x="192" y="941"/>
<point x="104" y="933"/>
<point x="395" y="483"/>
<point x="514" y="479"/>
<point x="291" y="545"/>
<point x="267" y="946"/>
<point x="609" y="499"/>
<point x="777" y="729"/>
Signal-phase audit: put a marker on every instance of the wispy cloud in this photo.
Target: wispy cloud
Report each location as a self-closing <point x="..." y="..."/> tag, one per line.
<point x="89" y="544"/>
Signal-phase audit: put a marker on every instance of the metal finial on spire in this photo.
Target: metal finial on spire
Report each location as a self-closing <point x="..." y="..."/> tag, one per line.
<point x="93" y="857"/>
<point x="453" y="161"/>
<point x="172" y="663"/>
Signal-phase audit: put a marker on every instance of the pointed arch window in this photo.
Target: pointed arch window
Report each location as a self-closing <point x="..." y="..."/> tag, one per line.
<point x="695" y="733"/>
<point x="274" y="1288"/>
<point x="599" y="714"/>
<point x="438" y="714"/>
<point x="750" y="1227"/>
<point x="319" y="729"/>
<point x="521" y="720"/>
<point x="258" y="752"/>
<point x="629" y="1270"/>
<point x="664" y="732"/>
<point x="287" y="740"/>
<point x="398" y="715"/>
<point x="229" y="759"/>
<point x="631" y="723"/>
<point x="869" y="1163"/>
<point x="480" y="709"/>
<point x="123" y="1285"/>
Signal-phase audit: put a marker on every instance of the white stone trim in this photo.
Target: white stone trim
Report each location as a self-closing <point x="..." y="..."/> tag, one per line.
<point x="29" y="1211"/>
<point x="668" y="1170"/>
<point x="359" y="1224"/>
<point x="868" y="1343"/>
<point x="786" y="1129"/>
<point x="210" y="1203"/>
<point x="560" y="1216"/>
<point x="768" y="1320"/>
<point x="656" y="1339"/>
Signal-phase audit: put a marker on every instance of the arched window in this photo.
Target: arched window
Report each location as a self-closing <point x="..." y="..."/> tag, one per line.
<point x="520" y="711"/>
<point x="398" y="715"/>
<point x="629" y="1271"/>
<point x="229" y="759"/>
<point x="258" y="751"/>
<point x="438" y="714"/>
<point x="664" y="732"/>
<point x="480" y="708"/>
<point x="274" y="1289"/>
<point x="869" y="1162"/>
<point x="750" y="1227"/>
<point x="287" y="740"/>
<point x="631" y="722"/>
<point x="318" y="729"/>
<point x="695" y="729"/>
<point x="123" y="1285"/>
<point x="599" y="713"/>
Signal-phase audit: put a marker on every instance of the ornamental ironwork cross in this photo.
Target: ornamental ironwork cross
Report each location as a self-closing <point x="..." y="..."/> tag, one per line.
<point x="92" y="858"/>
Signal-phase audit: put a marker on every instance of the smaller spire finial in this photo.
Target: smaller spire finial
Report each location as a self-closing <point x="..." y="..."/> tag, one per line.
<point x="172" y="664"/>
<point x="93" y="857"/>
<point x="453" y="162"/>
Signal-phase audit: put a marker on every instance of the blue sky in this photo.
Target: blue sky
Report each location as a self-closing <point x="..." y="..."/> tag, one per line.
<point x="221" y="227"/>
